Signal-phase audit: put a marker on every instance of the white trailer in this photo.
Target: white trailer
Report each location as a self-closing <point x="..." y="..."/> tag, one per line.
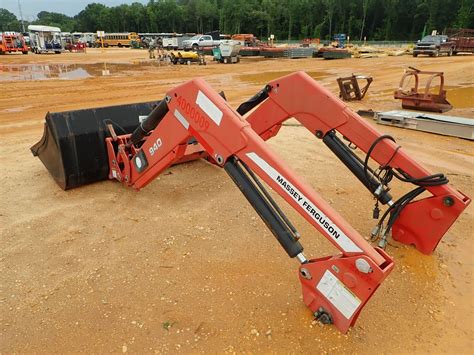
<point x="87" y="38"/>
<point x="45" y="39"/>
<point x="170" y="43"/>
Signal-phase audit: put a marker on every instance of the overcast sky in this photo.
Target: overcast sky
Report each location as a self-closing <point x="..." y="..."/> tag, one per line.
<point x="69" y="7"/>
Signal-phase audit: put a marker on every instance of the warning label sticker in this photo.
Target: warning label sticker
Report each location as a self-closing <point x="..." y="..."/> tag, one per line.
<point x="338" y="294"/>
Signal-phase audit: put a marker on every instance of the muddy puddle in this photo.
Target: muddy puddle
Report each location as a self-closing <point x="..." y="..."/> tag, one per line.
<point x="461" y="97"/>
<point x="263" y="78"/>
<point x="14" y="72"/>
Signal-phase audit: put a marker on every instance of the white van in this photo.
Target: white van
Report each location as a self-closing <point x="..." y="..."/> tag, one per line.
<point x="45" y="39"/>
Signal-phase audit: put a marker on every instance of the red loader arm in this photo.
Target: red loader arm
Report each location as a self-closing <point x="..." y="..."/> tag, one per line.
<point x="422" y="222"/>
<point x="193" y="118"/>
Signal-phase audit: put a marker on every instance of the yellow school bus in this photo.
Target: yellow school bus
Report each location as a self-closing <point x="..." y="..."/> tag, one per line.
<point x="118" y="39"/>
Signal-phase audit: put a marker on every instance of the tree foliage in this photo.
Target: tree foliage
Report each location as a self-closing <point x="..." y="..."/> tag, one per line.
<point x="65" y="23"/>
<point x="8" y="21"/>
<point x="286" y="19"/>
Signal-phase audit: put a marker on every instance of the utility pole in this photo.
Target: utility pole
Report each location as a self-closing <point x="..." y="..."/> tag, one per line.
<point x="21" y="17"/>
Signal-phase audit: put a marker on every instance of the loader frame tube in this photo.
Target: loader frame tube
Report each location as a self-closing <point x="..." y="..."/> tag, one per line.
<point x="424" y="221"/>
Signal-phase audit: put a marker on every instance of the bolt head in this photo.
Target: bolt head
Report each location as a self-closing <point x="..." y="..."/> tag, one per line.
<point x="305" y="274"/>
<point x="448" y="201"/>
<point x="363" y="266"/>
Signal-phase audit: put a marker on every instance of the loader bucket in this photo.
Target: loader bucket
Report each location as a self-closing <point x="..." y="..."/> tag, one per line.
<point x="73" y="144"/>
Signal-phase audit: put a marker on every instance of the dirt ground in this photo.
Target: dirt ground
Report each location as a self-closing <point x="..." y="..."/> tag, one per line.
<point x="186" y="264"/>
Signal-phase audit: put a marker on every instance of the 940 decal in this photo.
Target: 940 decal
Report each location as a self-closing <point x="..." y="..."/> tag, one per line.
<point x="156" y="145"/>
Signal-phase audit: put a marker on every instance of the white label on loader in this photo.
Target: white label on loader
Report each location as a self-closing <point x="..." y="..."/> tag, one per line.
<point x="328" y="226"/>
<point x="338" y="294"/>
<point x="181" y="119"/>
<point x="141" y="118"/>
<point x="209" y="108"/>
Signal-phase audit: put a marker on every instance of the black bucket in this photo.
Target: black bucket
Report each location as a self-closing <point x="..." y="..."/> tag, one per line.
<point x="73" y="144"/>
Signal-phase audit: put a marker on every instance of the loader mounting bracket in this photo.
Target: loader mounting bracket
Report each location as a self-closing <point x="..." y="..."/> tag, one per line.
<point x="350" y="89"/>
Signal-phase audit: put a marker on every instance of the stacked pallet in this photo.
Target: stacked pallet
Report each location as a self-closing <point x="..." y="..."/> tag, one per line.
<point x="274" y="52"/>
<point x="333" y="53"/>
<point x="287" y="52"/>
<point x="250" y="51"/>
<point x="300" y="52"/>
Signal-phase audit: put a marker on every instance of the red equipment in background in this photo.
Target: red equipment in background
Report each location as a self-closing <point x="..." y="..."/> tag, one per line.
<point x="426" y="100"/>
<point x="12" y="42"/>
<point x="75" y="47"/>
<point x="463" y="39"/>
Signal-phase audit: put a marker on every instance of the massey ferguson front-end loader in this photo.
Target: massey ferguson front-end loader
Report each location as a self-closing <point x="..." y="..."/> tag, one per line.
<point x="193" y="121"/>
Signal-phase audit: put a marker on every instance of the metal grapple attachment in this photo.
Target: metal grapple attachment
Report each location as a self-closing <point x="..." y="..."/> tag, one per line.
<point x="427" y="100"/>
<point x="73" y="144"/>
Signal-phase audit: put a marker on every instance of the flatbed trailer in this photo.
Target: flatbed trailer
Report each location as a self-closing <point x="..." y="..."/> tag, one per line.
<point x="463" y="39"/>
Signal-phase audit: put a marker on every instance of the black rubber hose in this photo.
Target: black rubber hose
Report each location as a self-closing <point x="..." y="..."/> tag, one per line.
<point x="398" y="206"/>
<point x="254" y="100"/>
<point x="369" y="152"/>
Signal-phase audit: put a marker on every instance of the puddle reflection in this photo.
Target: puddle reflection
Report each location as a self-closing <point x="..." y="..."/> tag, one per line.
<point x="13" y="72"/>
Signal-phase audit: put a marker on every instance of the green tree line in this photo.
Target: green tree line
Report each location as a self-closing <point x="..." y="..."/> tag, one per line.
<point x="286" y="19"/>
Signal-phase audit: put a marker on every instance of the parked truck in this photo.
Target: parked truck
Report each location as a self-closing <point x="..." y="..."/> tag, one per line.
<point x="199" y="41"/>
<point x="434" y="45"/>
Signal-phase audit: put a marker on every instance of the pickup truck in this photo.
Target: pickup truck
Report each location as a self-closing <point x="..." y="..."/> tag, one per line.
<point x="434" y="46"/>
<point x="200" y="41"/>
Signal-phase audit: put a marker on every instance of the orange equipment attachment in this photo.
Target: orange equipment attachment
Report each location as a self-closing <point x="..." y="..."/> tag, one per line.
<point x="193" y="121"/>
